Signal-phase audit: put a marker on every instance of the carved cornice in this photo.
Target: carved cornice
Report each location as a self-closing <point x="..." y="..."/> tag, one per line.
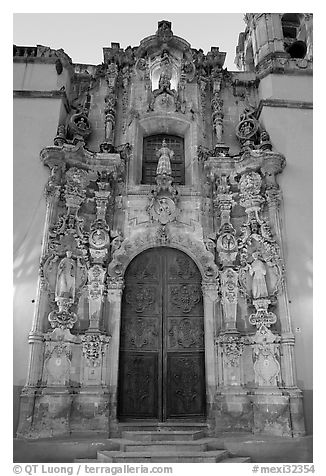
<point x="279" y="63"/>
<point x="54" y="94"/>
<point x="78" y="156"/>
<point x="286" y="103"/>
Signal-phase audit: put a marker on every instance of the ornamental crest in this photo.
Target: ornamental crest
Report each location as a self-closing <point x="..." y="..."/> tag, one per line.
<point x="163" y="210"/>
<point x="164" y="32"/>
<point x="63" y="318"/>
<point x="262" y="317"/>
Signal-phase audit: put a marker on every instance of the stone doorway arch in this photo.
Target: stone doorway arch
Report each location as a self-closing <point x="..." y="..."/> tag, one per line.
<point x="196" y="250"/>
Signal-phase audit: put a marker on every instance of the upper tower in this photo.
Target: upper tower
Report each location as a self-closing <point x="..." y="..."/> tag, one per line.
<point x="275" y="41"/>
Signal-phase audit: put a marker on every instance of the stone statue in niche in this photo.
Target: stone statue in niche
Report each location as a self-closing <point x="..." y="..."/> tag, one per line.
<point x="166" y="73"/>
<point x="66" y="278"/>
<point x="258" y="272"/>
<point x="164" y="162"/>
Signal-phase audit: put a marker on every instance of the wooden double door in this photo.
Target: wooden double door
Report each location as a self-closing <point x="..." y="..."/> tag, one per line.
<point x="161" y="362"/>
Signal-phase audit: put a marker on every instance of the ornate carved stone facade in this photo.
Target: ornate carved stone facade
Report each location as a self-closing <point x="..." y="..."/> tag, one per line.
<point x="100" y="216"/>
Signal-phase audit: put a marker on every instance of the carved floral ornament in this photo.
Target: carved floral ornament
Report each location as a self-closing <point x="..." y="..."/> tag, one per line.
<point x="232" y="347"/>
<point x="229" y="285"/>
<point x="93" y="347"/>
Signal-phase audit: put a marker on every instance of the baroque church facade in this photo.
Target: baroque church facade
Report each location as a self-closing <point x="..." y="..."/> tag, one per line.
<point x="160" y="250"/>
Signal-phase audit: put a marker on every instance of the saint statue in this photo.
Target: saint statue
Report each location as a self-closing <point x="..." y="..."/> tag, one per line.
<point x="258" y="273"/>
<point x="164" y="82"/>
<point x="66" y="278"/>
<point x="164" y="162"/>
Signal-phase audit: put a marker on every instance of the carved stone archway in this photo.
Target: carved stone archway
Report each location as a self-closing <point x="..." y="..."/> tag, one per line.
<point x="149" y="238"/>
<point x="196" y="250"/>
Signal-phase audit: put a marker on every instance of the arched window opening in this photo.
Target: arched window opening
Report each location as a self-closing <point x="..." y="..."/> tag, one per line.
<point x="151" y="145"/>
<point x="291" y="26"/>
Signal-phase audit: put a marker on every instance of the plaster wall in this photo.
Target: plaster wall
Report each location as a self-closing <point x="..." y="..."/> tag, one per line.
<point x="288" y="87"/>
<point x="35" y="125"/>
<point x="290" y="130"/>
<point x="39" y="77"/>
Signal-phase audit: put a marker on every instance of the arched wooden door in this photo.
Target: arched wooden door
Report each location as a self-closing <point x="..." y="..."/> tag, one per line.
<point x="161" y="366"/>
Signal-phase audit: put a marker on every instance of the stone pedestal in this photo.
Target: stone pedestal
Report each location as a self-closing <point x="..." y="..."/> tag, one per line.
<point x="271" y="412"/>
<point x="296" y="411"/>
<point x="52" y="413"/>
<point x="90" y="411"/>
<point x="233" y="410"/>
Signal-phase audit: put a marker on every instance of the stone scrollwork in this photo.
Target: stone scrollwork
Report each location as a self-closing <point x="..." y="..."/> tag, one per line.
<point x="231" y="347"/>
<point x="247" y="129"/>
<point x="229" y="290"/>
<point x="93" y="347"/>
<point x="262" y="316"/>
<point x="229" y="284"/>
<point x="63" y="318"/>
<point x="96" y="275"/>
<point x="75" y="188"/>
<point x="250" y="185"/>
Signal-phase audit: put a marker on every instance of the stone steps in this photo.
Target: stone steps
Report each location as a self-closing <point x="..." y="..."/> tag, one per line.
<point x="172" y="456"/>
<point x="164" y="435"/>
<point x="245" y="459"/>
<point x="165" y="446"/>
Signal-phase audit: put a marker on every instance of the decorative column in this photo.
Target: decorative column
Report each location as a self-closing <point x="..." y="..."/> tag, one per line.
<point x="210" y="296"/>
<point x="114" y="295"/>
<point x="110" y="105"/>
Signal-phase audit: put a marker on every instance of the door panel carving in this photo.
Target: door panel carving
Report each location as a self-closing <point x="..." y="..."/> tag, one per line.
<point x="139" y="333"/>
<point x="142" y="298"/>
<point x="185" y="298"/>
<point x="162" y="372"/>
<point x="185" y="382"/>
<point x="138" y="375"/>
<point x="185" y="333"/>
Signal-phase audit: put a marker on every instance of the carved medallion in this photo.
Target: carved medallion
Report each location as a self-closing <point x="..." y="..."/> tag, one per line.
<point x="140" y="297"/>
<point x="99" y="238"/>
<point x="185" y="296"/>
<point x="163" y="210"/>
<point x="139" y="333"/>
<point x="186" y="333"/>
